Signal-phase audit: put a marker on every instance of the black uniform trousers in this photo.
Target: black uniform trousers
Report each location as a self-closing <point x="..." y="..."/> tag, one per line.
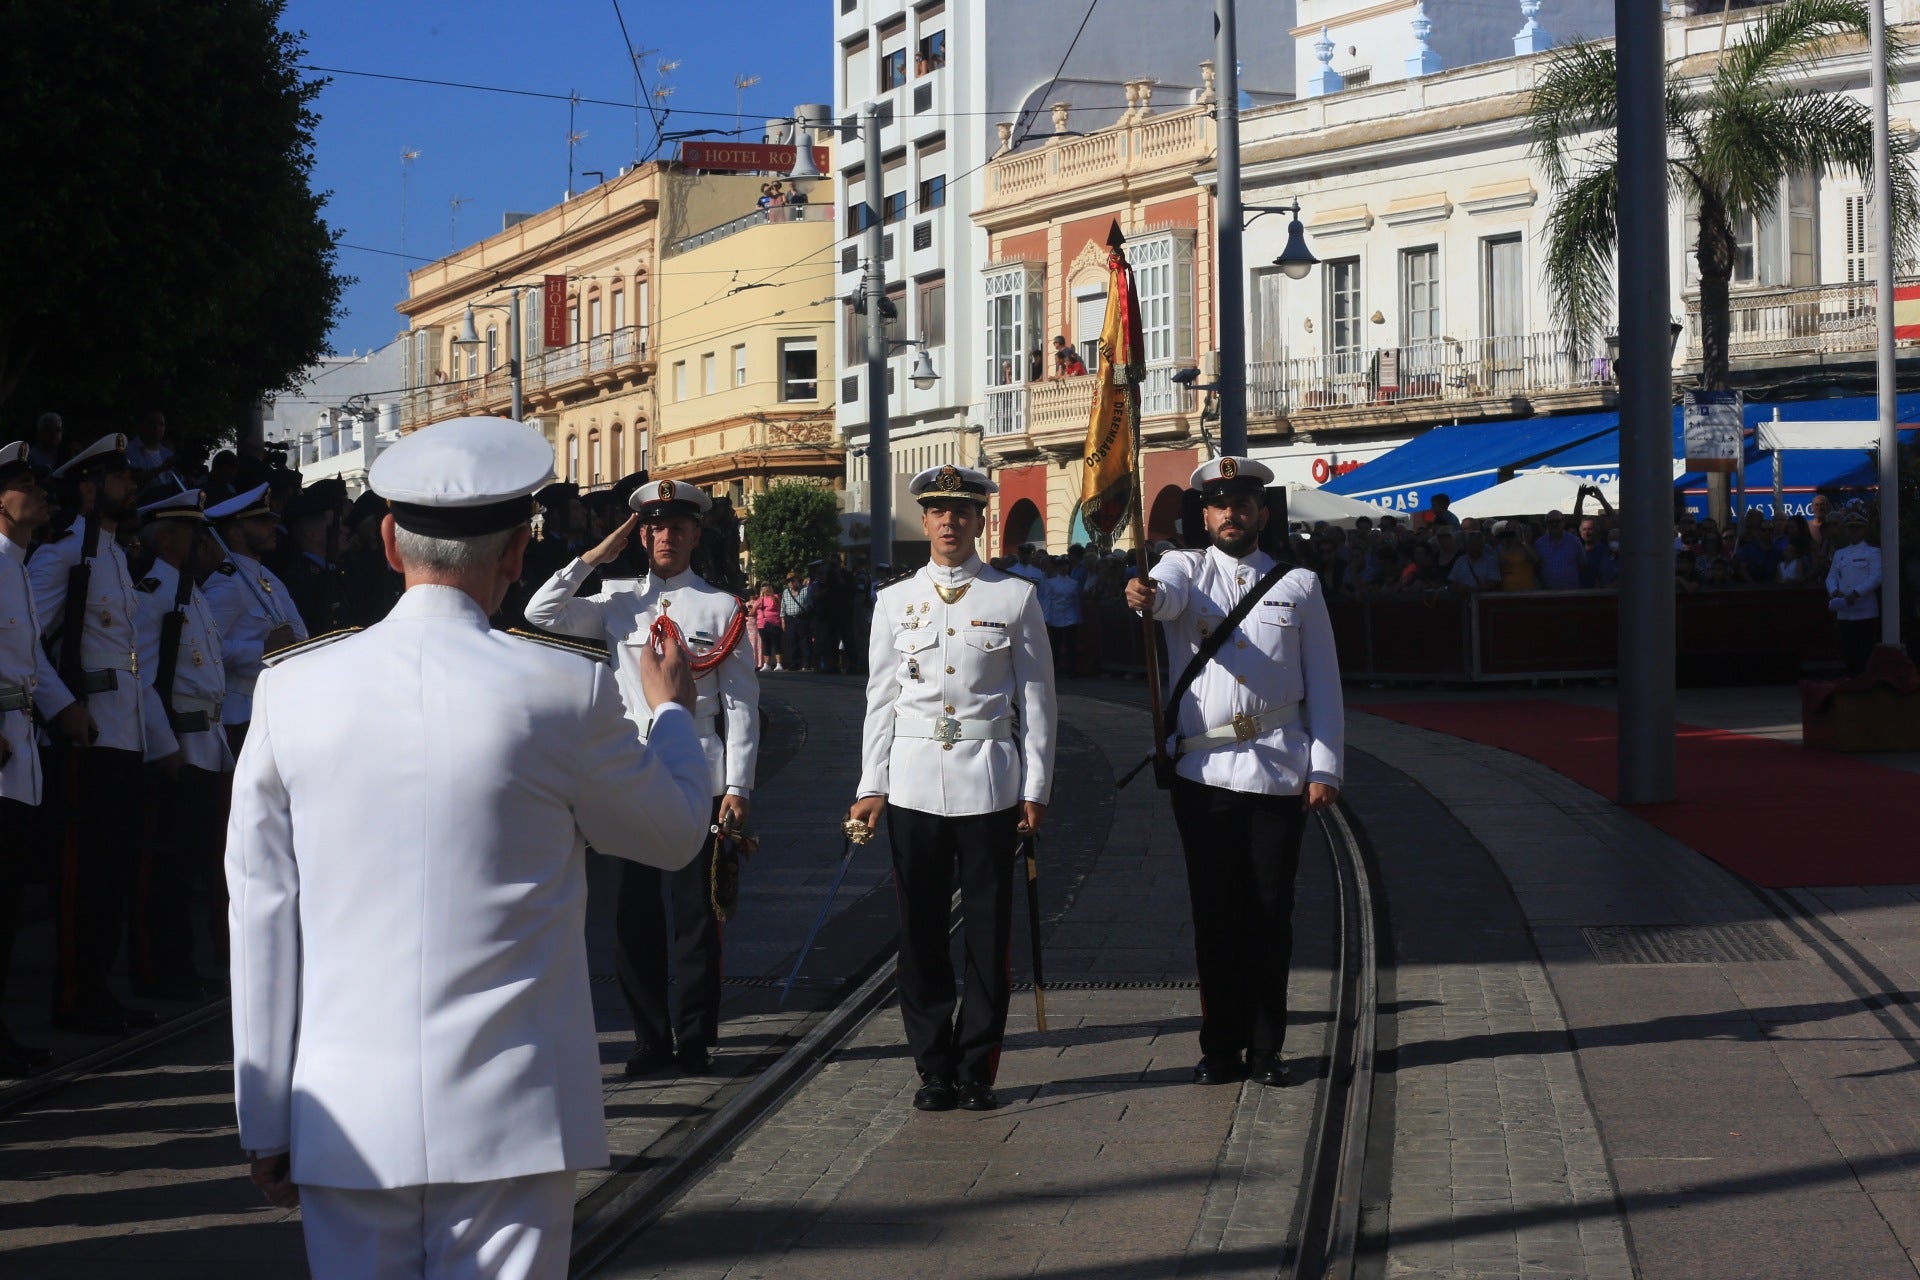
<point x="94" y="788"/>
<point x="19" y="825"/>
<point x="641" y="942"/>
<point x="796" y="642"/>
<point x="1858" y="637"/>
<point x="927" y="849"/>
<point x="1243" y="852"/>
<point x="189" y="812"/>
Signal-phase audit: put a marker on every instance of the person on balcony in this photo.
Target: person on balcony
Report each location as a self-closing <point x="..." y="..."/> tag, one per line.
<point x="1066" y="361"/>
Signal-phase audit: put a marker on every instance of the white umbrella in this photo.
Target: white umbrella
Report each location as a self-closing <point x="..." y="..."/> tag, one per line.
<point x="1312" y="506"/>
<point x="1531" y="493"/>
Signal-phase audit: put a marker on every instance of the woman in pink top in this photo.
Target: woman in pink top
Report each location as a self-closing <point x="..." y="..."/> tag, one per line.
<point x="766" y="625"/>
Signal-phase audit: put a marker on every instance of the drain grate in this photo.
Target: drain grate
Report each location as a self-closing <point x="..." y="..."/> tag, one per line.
<point x="1686" y="944"/>
<point x="1087" y="984"/>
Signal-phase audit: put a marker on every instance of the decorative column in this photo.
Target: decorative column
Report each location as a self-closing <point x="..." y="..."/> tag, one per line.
<point x="1531" y="38"/>
<point x="1423" y="61"/>
<point x="1326" y="79"/>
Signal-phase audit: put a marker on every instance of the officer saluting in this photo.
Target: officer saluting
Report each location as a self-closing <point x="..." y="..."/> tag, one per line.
<point x="253" y="608"/>
<point x="958" y="743"/>
<point x="181" y="660"/>
<point x="98" y="693"/>
<point x="1260" y="743"/>
<point x="712" y="625"/>
<point x="414" y="1050"/>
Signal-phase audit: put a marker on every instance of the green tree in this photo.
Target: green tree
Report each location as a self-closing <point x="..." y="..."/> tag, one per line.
<point x="160" y="243"/>
<point x="790" y="526"/>
<point x="1732" y="143"/>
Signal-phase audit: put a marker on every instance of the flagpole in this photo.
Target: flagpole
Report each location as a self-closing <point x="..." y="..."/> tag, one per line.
<point x="1152" y="648"/>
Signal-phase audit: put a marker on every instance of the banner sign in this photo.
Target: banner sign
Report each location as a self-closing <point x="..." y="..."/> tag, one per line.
<point x="553" y="301"/>
<point x="1906" y="313"/>
<point x="746" y="157"/>
<point x="1713" y="430"/>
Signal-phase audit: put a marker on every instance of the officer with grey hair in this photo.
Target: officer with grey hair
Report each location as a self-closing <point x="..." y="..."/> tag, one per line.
<point x="414" y="1051"/>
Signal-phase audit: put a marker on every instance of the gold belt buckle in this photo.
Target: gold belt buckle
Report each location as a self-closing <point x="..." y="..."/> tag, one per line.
<point x="1245" y="728"/>
<point x="947" y="730"/>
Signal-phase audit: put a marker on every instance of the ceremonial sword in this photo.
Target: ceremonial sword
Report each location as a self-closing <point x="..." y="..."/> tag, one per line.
<point x="1033" y="929"/>
<point x="833" y="891"/>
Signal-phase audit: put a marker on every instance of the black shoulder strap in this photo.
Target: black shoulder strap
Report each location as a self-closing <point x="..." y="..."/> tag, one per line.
<point x="1212" y="644"/>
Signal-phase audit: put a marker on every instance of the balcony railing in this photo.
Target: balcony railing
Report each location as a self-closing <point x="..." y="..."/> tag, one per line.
<point x="1827" y="319"/>
<point x="621" y="351"/>
<point x="1063" y="407"/>
<point x="776" y="215"/>
<point x="1155" y="143"/>
<point x="1441" y="371"/>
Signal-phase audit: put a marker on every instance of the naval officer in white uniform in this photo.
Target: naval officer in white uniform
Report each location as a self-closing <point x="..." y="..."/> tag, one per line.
<point x="958" y="750"/>
<point x="1260" y="741"/>
<point x="713" y="626"/>
<point x="253" y="607"/>
<point x="414" y="1048"/>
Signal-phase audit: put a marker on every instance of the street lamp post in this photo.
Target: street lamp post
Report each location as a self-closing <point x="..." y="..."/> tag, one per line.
<point x="873" y="293"/>
<point x="1229" y="280"/>
<point x="471" y="338"/>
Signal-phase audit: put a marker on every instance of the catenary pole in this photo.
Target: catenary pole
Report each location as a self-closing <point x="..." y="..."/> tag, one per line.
<point x="879" y="463"/>
<point x="1228" y="237"/>
<point x="1646" y="412"/>
<point x="1885" y="385"/>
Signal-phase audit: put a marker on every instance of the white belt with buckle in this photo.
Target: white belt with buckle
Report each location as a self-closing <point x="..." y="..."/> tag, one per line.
<point x="187" y="702"/>
<point x="125" y="660"/>
<point x="16" y="697"/>
<point x="705" y="726"/>
<point x="1244" y="728"/>
<point x="949" y="731"/>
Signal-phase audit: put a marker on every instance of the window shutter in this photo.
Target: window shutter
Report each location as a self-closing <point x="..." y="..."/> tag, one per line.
<point x="1089" y="317"/>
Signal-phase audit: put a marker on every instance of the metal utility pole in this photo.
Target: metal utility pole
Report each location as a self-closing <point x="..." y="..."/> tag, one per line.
<point x="513" y="349"/>
<point x="1228" y="235"/>
<point x="1885" y="385"/>
<point x="1646" y="412"/>
<point x="874" y="287"/>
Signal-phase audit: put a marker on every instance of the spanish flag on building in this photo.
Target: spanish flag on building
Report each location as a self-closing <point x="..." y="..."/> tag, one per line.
<point x="1106" y="492"/>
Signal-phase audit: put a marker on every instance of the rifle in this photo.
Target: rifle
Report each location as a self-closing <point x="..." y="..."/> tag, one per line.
<point x="73" y="616"/>
<point x="73" y="621"/>
<point x="171" y="628"/>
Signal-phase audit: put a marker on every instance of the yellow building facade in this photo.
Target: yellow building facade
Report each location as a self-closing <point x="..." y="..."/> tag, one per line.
<point x="594" y="395"/>
<point x="744" y="375"/>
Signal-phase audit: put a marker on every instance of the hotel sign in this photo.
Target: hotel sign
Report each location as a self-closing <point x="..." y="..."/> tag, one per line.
<point x="745" y="157"/>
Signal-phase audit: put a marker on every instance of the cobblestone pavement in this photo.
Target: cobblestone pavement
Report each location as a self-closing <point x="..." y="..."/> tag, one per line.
<point x="1103" y="1160"/>
<point x="1756" y="1112"/>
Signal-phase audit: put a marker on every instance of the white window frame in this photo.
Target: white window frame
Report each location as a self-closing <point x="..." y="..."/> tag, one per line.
<point x="679" y="381"/>
<point x="1420" y="322"/>
<point x="740" y="364"/>
<point x="709" y="373"/>
<point x="789" y="383"/>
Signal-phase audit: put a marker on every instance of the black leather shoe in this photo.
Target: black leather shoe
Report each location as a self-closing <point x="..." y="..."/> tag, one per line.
<point x="91" y="1020"/>
<point x="976" y="1096"/>
<point x="694" y="1060"/>
<point x="137" y="1019"/>
<point x="1217" y="1069"/>
<point x="1268" y="1069"/>
<point x="935" y="1095"/>
<point x="648" y="1059"/>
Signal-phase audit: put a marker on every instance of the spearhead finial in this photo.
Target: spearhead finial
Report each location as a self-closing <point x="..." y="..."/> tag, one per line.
<point x="1114" y="238"/>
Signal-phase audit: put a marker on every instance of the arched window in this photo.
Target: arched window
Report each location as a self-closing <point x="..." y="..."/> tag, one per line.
<point x="573" y="459"/>
<point x="593" y="458"/>
<point x="617" y="458"/>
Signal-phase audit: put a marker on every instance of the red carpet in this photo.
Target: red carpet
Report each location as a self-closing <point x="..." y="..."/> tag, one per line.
<point x="1771" y="811"/>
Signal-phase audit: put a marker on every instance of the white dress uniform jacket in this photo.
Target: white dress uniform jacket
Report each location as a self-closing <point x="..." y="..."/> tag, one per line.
<point x="406" y="858"/>
<point x="248" y="604"/>
<point x="199" y="679"/>
<point x="23" y="664"/>
<point x="1857" y="569"/>
<point x="1282" y="655"/>
<point x="621" y="612"/>
<point x="983" y="658"/>
<point x="127" y="713"/>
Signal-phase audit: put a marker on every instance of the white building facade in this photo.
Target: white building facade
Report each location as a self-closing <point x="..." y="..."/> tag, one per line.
<point x="959" y="81"/>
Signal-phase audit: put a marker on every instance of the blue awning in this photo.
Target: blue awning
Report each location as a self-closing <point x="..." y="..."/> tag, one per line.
<point x="1460" y="460"/>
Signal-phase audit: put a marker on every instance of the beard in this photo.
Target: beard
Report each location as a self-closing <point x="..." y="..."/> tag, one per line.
<point x="1237" y="545"/>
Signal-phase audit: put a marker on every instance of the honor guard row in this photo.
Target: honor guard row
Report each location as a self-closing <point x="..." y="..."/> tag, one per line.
<point x="414" y="1049"/>
<point x="672" y="604"/>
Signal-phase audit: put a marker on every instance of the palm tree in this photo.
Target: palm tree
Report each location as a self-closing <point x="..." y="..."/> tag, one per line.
<point x="1733" y="141"/>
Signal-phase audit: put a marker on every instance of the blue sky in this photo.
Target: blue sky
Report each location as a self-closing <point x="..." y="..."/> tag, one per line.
<point x="503" y="153"/>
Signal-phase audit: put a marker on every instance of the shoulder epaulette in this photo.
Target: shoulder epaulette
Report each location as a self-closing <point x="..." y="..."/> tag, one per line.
<point x="566" y="644"/>
<point x="147" y="585"/>
<point x="227" y="566"/>
<point x="279" y="656"/>
<point x="901" y="576"/>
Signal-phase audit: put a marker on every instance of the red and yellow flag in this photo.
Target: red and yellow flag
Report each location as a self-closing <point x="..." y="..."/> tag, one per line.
<point x="1106" y="491"/>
